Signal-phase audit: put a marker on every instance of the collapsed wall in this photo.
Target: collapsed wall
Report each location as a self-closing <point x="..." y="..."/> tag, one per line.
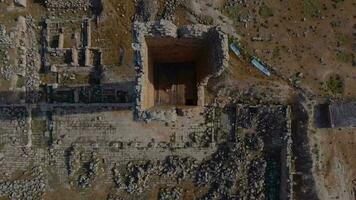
<point x="6" y="43"/>
<point x="273" y="125"/>
<point x="68" y="4"/>
<point x="96" y="6"/>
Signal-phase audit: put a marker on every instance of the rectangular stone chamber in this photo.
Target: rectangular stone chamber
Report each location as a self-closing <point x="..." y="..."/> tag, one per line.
<point x="176" y="67"/>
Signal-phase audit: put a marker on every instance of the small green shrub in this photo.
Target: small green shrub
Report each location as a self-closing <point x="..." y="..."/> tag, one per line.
<point x="311" y="8"/>
<point x="343" y="56"/>
<point x="342" y="38"/>
<point x="233" y="12"/>
<point x="335" y="85"/>
<point x="265" y="11"/>
<point x="2" y="146"/>
<point x="38" y="125"/>
<point x="335" y="24"/>
<point x="20" y="82"/>
<point x="276" y="52"/>
<point x="337" y="3"/>
<point x="208" y="20"/>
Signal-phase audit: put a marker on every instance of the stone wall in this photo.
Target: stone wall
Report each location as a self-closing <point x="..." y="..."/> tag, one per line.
<point x="68" y="4"/>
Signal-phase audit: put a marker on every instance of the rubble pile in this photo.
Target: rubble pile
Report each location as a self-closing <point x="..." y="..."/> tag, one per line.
<point x="73" y="160"/>
<point x="91" y="171"/>
<point x="230" y="163"/>
<point x="181" y="168"/>
<point x="68" y="4"/>
<point x="17" y="114"/>
<point x="136" y="176"/>
<point x="211" y="121"/>
<point x="170" y="9"/>
<point x="271" y="122"/>
<point x="233" y="160"/>
<point x="21" y="46"/>
<point x="31" y="189"/>
<point x="237" y="170"/>
<point x="5" y="40"/>
<point x="173" y="193"/>
<point x="146" y="10"/>
<point x="32" y="63"/>
<point x="168" y="115"/>
<point x="256" y="179"/>
<point x="273" y="125"/>
<point x="117" y="178"/>
<point x="5" y="44"/>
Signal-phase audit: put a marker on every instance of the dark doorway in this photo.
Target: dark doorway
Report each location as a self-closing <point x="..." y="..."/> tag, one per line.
<point x="175" y="84"/>
<point x="322" y="116"/>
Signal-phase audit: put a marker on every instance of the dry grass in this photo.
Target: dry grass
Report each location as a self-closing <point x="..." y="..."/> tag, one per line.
<point x="181" y="17"/>
<point x="80" y="79"/>
<point x="48" y="78"/>
<point x="8" y="18"/>
<point x="4" y="85"/>
<point x="290" y="51"/>
<point x="113" y="33"/>
<point x="38" y="125"/>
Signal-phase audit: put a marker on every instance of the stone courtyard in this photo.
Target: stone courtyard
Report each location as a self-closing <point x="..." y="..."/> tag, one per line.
<point x="89" y="144"/>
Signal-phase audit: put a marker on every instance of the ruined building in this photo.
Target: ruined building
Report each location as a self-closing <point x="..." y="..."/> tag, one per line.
<point x="174" y="64"/>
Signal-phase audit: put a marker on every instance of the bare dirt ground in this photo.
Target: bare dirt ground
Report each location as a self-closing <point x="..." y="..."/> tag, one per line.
<point x="335" y="163"/>
<point x="293" y="40"/>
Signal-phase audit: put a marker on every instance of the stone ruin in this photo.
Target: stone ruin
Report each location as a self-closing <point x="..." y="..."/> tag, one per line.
<point x="67" y="54"/>
<point x="256" y="155"/>
<point x="70" y="4"/>
<point x="22" y="65"/>
<point x="252" y="162"/>
<point x="272" y="124"/>
<point x="114" y="93"/>
<point x="175" y="64"/>
<point x="5" y="44"/>
<point x="77" y="52"/>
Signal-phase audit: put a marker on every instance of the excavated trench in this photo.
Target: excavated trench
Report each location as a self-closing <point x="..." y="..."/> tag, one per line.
<point x="176" y="71"/>
<point x="304" y="186"/>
